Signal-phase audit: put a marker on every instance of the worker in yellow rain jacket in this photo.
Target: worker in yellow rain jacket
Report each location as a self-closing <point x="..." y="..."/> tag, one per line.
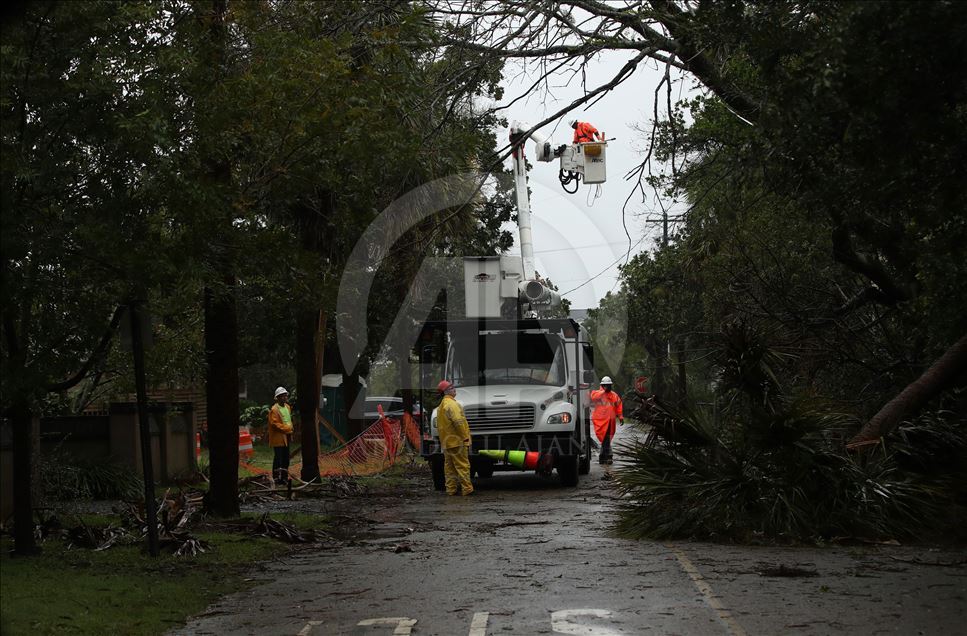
<point x="454" y="431"/>
<point x="280" y="433"/>
<point x="605" y="408"/>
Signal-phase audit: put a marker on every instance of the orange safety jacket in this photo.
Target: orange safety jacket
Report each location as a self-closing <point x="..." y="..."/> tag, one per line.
<point x="280" y="424"/>
<point x="584" y="132"/>
<point x="605" y="408"/>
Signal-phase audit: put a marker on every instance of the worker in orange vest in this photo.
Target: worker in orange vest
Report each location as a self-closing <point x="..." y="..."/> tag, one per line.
<point x="280" y="433"/>
<point x="605" y="409"/>
<point x="454" y="431"/>
<point x="585" y="132"/>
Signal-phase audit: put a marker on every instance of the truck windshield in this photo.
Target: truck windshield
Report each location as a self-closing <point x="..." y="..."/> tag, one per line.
<point x="514" y="358"/>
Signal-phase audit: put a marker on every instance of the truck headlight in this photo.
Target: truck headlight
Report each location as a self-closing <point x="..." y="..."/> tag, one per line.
<point x="559" y="418"/>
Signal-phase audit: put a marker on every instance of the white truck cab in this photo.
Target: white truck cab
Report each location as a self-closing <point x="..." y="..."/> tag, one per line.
<point x="523" y="385"/>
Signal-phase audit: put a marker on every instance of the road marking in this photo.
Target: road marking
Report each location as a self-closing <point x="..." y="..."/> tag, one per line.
<point x="403" y="624"/>
<point x="561" y="624"/>
<point x="706" y="590"/>
<point x="478" y="626"/>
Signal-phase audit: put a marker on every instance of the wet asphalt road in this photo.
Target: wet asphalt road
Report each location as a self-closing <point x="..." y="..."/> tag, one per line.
<point x="526" y="556"/>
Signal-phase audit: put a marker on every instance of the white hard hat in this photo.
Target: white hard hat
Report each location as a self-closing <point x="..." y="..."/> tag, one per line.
<point x="572" y="123"/>
<point x="606" y="380"/>
<point x="279" y="391"/>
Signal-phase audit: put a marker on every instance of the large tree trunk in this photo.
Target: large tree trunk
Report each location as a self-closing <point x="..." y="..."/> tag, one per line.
<point x="941" y="374"/>
<point x="658" y="350"/>
<point x="310" y="338"/>
<point x="682" y="374"/>
<point x="221" y="319"/>
<point x="221" y="355"/>
<point x="21" y="419"/>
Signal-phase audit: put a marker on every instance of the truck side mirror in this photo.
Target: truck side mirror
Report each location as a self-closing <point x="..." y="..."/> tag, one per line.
<point x="588" y="376"/>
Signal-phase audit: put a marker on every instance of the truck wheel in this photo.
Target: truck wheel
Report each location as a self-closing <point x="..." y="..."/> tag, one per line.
<point x="436" y="469"/>
<point x="567" y="468"/>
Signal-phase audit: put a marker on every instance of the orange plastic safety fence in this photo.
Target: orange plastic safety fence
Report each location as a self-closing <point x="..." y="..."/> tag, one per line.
<point x="372" y="451"/>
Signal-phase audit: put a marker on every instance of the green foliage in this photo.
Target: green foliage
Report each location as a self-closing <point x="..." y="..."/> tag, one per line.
<point x="772" y="465"/>
<point x="63" y="478"/>
<point x="255" y="417"/>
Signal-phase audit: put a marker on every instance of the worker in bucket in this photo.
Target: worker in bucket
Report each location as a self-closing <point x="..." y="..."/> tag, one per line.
<point x="605" y="409"/>
<point x="454" y="433"/>
<point x="584" y="132"/>
<point x="280" y="433"/>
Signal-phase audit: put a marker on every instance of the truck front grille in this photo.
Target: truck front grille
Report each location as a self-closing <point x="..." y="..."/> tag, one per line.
<point x="511" y="417"/>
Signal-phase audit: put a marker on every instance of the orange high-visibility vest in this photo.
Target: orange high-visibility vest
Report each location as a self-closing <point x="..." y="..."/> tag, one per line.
<point x="605" y="408"/>
<point x="584" y="132"/>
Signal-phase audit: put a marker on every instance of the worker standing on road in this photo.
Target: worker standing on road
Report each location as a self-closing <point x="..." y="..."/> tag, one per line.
<point x="605" y="409"/>
<point x="280" y="433"/>
<point x="585" y="132"/>
<point x="454" y="433"/>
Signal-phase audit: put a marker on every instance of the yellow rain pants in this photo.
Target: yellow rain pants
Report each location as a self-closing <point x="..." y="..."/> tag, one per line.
<point x="456" y="470"/>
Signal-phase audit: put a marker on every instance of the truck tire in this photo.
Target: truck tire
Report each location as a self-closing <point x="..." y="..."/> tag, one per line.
<point x="567" y="468"/>
<point x="436" y="469"/>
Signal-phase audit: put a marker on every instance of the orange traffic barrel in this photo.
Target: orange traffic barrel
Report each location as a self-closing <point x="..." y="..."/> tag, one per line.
<point x="245" y="448"/>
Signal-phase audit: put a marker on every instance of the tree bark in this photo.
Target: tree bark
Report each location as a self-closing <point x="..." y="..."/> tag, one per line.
<point x="310" y="336"/>
<point x="221" y="356"/>
<point x="21" y="419"/>
<point x="658" y="350"/>
<point x="682" y="376"/>
<point x="951" y="366"/>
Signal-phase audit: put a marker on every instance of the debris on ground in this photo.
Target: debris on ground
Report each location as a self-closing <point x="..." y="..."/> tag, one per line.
<point x="787" y="571"/>
<point x="267" y="527"/>
<point x="175" y="515"/>
<point x="95" y="538"/>
<point x="402" y="547"/>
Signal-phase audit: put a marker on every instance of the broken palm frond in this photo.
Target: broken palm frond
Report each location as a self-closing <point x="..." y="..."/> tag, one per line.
<point x="267" y="527"/>
<point x="95" y="538"/>
<point x="773" y="465"/>
<point x="184" y="545"/>
<point x="81" y="535"/>
<point x="175" y="515"/>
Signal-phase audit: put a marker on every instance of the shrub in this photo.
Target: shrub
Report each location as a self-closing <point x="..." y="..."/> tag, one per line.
<point x="65" y="478"/>
<point x="775" y="466"/>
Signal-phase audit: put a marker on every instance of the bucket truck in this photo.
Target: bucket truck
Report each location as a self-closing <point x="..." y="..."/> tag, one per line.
<point x="523" y="382"/>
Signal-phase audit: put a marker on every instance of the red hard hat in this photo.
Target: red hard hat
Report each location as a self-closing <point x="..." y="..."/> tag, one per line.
<point x="443" y="386"/>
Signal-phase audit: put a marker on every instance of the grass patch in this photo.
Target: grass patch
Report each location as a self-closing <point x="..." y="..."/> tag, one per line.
<point x="121" y="590"/>
<point x="302" y="521"/>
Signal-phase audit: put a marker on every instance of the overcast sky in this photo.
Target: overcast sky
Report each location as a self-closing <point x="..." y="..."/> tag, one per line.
<point x="575" y="237"/>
